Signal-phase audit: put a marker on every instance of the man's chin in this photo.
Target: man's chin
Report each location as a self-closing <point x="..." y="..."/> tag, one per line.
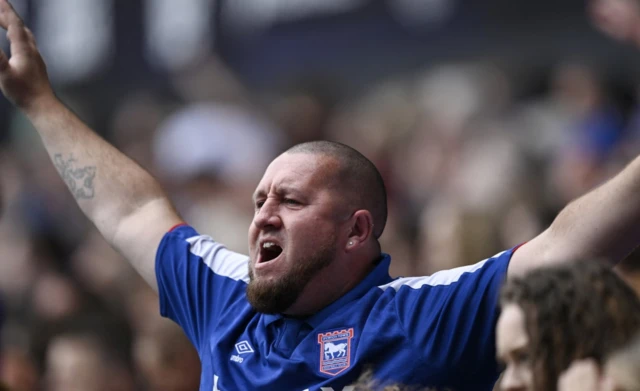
<point x="270" y="297"/>
<point x="273" y="293"/>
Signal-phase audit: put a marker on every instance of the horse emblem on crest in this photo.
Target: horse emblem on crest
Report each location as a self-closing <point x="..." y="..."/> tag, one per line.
<point x="335" y="351"/>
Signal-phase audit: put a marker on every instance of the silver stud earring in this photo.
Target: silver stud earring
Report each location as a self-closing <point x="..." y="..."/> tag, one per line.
<point x="350" y="243"/>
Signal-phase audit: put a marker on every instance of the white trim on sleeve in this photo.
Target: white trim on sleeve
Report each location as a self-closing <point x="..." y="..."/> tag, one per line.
<point x="219" y="259"/>
<point x="443" y="277"/>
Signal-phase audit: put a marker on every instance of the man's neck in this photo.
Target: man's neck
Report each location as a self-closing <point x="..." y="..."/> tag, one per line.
<point x="329" y="285"/>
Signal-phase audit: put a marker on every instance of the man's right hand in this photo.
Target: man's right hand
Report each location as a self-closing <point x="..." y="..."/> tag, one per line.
<point x="23" y="77"/>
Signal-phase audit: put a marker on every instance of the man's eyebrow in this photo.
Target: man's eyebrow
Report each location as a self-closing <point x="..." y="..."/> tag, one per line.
<point x="288" y="190"/>
<point x="280" y="190"/>
<point x="258" y="193"/>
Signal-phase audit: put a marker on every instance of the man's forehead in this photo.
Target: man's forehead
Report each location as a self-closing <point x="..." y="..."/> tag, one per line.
<point x="299" y="168"/>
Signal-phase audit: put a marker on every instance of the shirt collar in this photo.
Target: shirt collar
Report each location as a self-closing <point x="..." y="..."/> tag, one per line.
<point x="378" y="276"/>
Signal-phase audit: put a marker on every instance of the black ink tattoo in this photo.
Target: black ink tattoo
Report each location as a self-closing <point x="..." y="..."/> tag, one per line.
<point x="79" y="180"/>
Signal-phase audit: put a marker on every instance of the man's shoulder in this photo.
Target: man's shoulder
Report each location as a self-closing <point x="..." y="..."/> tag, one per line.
<point x="450" y="278"/>
<point x="185" y="241"/>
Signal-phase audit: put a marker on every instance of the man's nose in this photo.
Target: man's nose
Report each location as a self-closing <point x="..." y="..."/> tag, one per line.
<point x="268" y="215"/>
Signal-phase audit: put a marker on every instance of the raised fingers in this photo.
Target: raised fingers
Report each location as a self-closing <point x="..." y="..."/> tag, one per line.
<point x="19" y="35"/>
<point x="20" y="38"/>
<point x="8" y="15"/>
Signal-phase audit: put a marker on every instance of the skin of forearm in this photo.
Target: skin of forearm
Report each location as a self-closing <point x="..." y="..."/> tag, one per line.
<point x="604" y="223"/>
<point x="107" y="185"/>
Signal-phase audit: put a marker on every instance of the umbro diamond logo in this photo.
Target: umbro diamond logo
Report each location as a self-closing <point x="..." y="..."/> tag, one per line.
<point x="243" y="347"/>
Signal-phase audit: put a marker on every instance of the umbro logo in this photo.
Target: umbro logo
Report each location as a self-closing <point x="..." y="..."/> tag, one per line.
<point x="242" y="347"/>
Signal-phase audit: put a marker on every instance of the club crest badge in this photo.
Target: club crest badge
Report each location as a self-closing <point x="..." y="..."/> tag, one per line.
<point x="335" y="351"/>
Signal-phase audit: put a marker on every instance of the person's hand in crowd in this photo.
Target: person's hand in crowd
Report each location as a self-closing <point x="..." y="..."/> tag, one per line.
<point x="23" y="76"/>
<point x="582" y="375"/>
<point x="619" y="19"/>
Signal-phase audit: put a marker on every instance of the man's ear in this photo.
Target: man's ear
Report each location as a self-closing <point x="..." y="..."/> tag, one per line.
<point x="361" y="226"/>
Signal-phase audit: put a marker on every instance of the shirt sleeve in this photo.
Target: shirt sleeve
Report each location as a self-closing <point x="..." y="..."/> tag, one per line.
<point x="197" y="279"/>
<point x="450" y="317"/>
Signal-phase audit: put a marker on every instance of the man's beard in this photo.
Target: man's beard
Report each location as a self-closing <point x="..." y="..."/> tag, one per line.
<point x="274" y="297"/>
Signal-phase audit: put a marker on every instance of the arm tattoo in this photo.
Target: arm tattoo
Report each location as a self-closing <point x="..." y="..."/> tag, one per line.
<point x="79" y="180"/>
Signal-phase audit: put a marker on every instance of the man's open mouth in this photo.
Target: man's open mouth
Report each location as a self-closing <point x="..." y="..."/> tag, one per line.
<point x="269" y="251"/>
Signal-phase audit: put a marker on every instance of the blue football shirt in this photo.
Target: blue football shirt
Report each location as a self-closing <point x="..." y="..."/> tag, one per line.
<point x="433" y="331"/>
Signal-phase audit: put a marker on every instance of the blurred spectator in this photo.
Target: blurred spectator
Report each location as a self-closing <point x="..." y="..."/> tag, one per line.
<point x="55" y="297"/>
<point x="210" y="156"/>
<point x="19" y="371"/>
<point x="303" y="110"/>
<point x="79" y="362"/>
<point x="451" y="235"/>
<point x="618" y="18"/>
<point x="166" y="359"/>
<point x="551" y="317"/>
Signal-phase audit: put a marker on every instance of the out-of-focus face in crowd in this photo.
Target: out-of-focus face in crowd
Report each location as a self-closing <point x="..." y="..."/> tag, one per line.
<point x="74" y="364"/>
<point x="618" y="18"/>
<point x="554" y="316"/>
<point x="81" y="363"/>
<point x="512" y="345"/>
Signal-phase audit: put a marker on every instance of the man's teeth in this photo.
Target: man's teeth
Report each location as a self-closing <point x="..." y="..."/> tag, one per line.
<point x="268" y="244"/>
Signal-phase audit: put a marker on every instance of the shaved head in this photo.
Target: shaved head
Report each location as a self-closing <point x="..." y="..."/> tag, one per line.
<point x="355" y="176"/>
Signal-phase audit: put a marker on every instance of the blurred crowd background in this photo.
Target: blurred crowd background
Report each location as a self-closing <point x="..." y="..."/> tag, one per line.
<point x="485" y="118"/>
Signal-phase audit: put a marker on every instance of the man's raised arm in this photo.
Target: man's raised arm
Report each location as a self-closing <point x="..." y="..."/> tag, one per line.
<point x="124" y="202"/>
<point x="602" y="224"/>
